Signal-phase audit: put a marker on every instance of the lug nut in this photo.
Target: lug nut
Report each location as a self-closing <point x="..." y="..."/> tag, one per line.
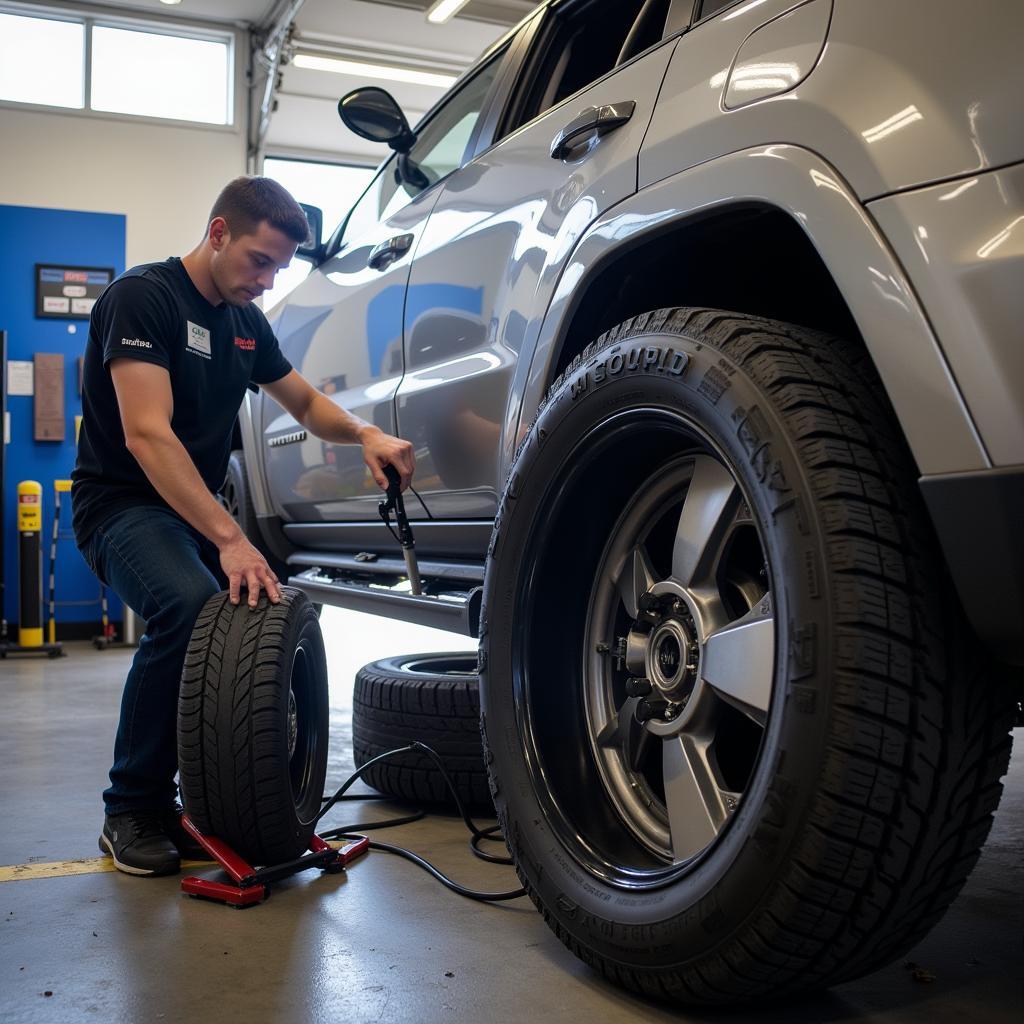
<point x="645" y="711"/>
<point x="638" y="687"/>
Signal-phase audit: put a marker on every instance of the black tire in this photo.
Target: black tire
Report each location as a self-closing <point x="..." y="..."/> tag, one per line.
<point x="253" y="725"/>
<point x="433" y="698"/>
<point x="843" y="789"/>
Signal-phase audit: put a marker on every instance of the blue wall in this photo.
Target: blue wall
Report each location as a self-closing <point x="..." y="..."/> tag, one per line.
<point x="63" y="237"/>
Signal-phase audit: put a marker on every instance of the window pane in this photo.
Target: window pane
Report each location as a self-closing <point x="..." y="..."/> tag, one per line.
<point x="442" y="143"/>
<point x="160" y="76"/>
<point x="332" y="187"/>
<point x="585" y="46"/>
<point x="710" y="7"/>
<point x="42" y="61"/>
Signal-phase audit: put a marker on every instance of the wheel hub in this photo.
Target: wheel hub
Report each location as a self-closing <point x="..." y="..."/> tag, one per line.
<point x="662" y="653"/>
<point x="672" y="660"/>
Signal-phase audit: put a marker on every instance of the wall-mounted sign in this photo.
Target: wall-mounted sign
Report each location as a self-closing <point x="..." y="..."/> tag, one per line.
<point x="69" y="293"/>
<point x="19" y="377"/>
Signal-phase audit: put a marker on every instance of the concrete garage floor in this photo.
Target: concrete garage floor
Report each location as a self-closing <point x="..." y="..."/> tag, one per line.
<point x="384" y="942"/>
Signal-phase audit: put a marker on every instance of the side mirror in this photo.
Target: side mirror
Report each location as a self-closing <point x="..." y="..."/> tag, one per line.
<point x="373" y="114"/>
<point x="313" y="249"/>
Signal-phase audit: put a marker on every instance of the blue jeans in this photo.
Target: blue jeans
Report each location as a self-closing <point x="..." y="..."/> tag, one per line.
<point x="165" y="570"/>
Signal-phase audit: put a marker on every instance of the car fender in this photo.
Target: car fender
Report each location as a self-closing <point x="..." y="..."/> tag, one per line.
<point x="800" y="183"/>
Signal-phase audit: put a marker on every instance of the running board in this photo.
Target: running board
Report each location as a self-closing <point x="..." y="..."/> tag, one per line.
<point x="450" y="600"/>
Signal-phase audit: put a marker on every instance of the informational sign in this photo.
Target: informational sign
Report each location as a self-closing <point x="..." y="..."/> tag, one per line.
<point x="69" y="293"/>
<point x="19" y="377"/>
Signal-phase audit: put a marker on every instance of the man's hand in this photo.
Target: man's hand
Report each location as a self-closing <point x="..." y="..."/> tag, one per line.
<point x="328" y="421"/>
<point x="242" y="563"/>
<point x="380" y="449"/>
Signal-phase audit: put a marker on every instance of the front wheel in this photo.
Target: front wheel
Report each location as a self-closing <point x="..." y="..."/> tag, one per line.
<point x="737" y="745"/>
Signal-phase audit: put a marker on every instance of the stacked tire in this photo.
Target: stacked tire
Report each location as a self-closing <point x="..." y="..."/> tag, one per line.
<point x="432" y="698"/>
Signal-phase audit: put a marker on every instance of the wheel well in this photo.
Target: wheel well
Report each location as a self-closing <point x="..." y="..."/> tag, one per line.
<point x="752" y="259"/>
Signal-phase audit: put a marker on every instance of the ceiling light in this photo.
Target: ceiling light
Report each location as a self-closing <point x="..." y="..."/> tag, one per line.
<point x="170" y="3"/>
<point x="443" y="10"/>
<point x="360" y="70"/>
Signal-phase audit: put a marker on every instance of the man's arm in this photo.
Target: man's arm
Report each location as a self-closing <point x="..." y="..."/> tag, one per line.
<point x="321" y="417"/>
<point x="146" y="404"/>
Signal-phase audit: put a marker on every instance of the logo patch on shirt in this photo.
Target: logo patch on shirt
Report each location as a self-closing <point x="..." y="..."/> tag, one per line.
<point x="198" y="339"/>
<point x="246" y="344"/>
<point x="136" y="343"/>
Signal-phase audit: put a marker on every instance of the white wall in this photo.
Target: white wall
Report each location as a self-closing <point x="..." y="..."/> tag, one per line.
<point x="163" y="177"/>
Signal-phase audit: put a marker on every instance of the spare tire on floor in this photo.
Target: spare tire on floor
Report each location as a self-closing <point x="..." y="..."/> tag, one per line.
<point x="252" y="725"/>
<point x="433" y="698"/>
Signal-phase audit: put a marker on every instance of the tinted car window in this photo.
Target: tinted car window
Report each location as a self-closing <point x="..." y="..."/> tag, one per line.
<point x="709" y="7"/>
<point x="581" y="43"/>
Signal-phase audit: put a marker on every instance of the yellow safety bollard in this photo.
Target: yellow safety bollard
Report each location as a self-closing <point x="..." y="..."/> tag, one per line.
<point x="30" y="564"/>
<point x="30" y="577"/>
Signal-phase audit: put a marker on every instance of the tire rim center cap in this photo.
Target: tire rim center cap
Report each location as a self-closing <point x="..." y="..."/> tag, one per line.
<point x="671" y="660"/>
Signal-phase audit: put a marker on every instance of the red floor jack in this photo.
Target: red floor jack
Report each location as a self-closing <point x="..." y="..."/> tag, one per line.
<point x="252" y="884"/>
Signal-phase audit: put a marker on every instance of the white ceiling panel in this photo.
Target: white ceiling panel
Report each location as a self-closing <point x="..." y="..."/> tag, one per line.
<point x="387" y="25"/>
<point x="332" y="86"/>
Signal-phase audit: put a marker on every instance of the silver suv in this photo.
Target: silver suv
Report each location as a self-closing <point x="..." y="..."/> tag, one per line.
<point x="704" y="319"/>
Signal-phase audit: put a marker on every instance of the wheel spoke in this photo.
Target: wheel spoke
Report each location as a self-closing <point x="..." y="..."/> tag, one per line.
<point x="695" y="803"/>
<point x="622" y="730"/>
<point x="639" y="743"/>
<point x="739" y="661"/>
<point x="708" y="510"/>
<point x="635" y="578"/>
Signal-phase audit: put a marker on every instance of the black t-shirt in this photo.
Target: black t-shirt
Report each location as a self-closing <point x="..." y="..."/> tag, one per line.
<point x="155" y="313"/>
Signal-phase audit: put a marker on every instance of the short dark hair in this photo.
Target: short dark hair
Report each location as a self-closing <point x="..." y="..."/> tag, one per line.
<point x="248" y="201"/>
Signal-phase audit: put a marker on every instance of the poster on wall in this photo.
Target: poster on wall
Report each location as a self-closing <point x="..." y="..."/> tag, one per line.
<point x="69" y="293"/>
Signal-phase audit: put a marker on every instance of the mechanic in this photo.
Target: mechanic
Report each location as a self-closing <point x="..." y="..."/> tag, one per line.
<point x="172" y="347"/>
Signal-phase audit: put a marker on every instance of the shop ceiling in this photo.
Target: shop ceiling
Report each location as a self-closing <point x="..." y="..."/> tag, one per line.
<point x="258" y="12"/>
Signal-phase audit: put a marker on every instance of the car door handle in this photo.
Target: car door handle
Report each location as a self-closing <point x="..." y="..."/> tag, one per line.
<point x="592" y="123"/>
<point x="381" y="256"/>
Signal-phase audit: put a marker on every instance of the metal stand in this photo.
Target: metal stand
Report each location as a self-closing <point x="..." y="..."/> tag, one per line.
<point x="16" y="651"/>
<point x="252" y="884"/>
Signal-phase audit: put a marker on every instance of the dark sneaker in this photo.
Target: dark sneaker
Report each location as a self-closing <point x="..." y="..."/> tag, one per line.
<point x="188" y="848"/>
<point x="139" y="844"/>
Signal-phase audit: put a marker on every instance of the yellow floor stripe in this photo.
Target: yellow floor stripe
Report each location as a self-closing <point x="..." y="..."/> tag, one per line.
<point x="62" y="868"/>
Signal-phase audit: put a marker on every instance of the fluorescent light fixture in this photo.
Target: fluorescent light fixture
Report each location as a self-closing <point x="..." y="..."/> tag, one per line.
<point x="360" y="70"/>
<point x="170" y="3"/>
<point x="444" y="10"/>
